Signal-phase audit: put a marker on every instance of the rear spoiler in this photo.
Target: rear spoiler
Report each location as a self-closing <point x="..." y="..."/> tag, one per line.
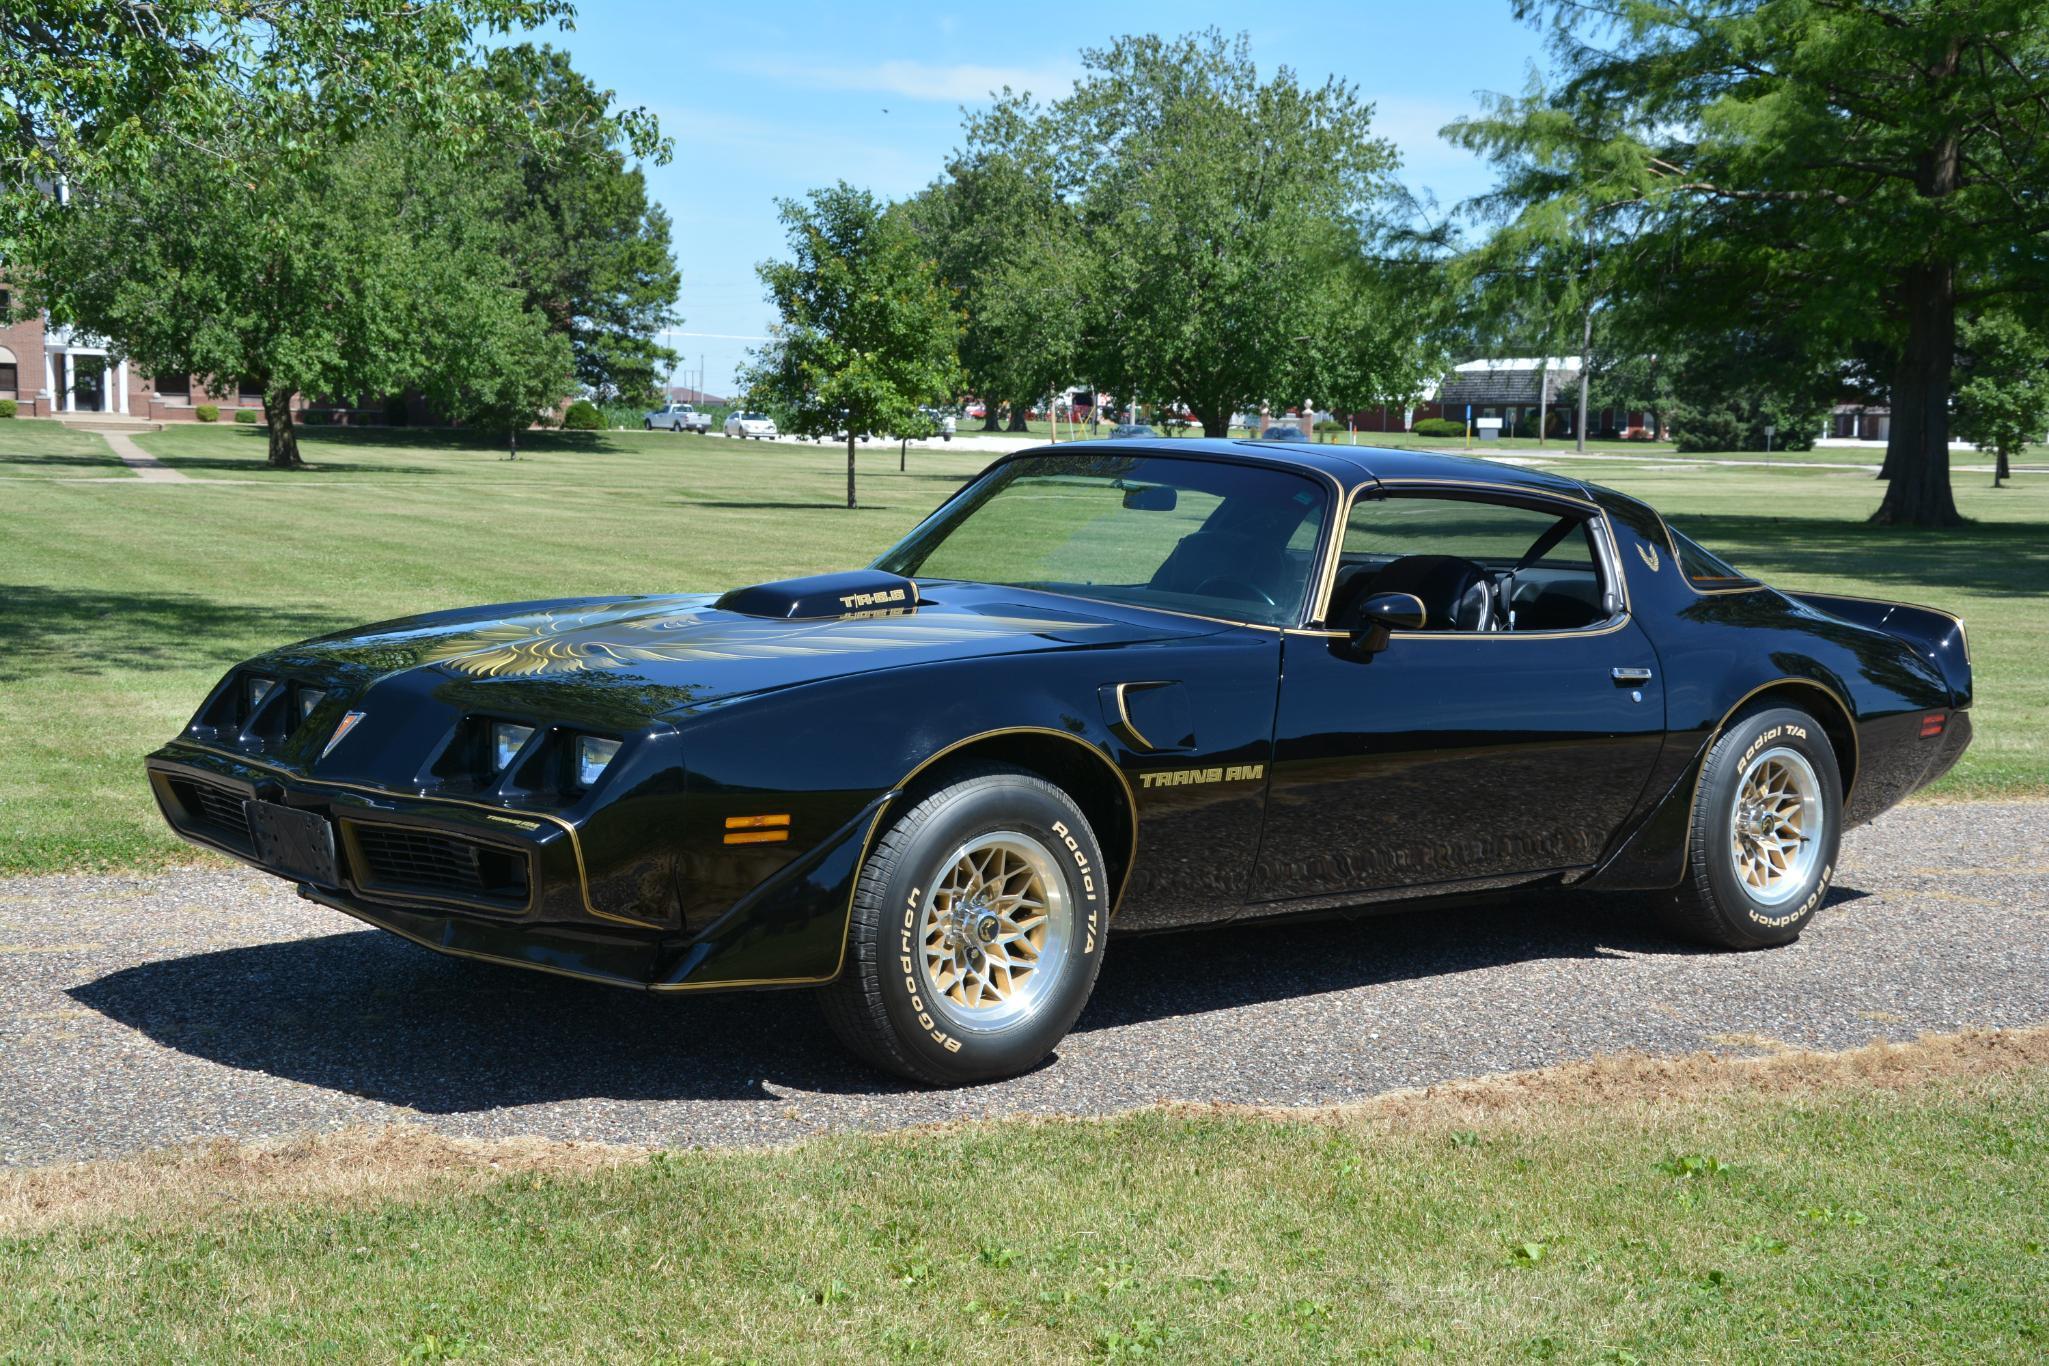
<point x="1935" y="635"/>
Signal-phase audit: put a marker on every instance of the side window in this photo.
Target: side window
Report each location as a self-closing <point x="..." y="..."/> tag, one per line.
<point x="1475" y="565"/>
<point x="1705" y="570"/>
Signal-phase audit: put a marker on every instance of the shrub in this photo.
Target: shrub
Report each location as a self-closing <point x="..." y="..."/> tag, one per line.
<point x="207" y="412"/>
<point x="6" y="407"/>
<point x="316" y="417"/>
<point x="583" y="416"/>
<point x="246" y="416"/>
<point x="1439" y="426"/>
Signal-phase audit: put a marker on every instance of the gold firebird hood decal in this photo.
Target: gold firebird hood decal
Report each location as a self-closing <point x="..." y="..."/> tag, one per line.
<point x="562" y="642"/>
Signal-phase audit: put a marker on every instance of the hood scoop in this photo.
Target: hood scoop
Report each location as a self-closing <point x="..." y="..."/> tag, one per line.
<point x="823" y="595"/>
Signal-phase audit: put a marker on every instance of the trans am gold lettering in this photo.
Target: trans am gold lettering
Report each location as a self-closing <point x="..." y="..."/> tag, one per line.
<point x="1182" y="777"/>
<point x="855" y="601"/>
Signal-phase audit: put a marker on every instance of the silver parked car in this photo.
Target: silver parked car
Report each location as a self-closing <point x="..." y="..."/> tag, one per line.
<point x="760" y="426"/>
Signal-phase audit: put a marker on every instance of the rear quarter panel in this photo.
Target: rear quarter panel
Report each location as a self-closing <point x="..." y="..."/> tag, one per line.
<point x="1719" y="650"/>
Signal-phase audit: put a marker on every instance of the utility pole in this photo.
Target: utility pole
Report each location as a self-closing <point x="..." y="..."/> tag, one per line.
<point x="1586" y="346"/>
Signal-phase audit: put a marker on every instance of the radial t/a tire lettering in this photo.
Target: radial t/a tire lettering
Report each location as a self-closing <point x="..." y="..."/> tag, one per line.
<point x="978" y="926"/>
<point x="1764" y="833"/>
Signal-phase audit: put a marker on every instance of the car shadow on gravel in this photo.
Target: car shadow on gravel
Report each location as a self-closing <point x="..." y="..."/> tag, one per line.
<point x="370" y="1015"/>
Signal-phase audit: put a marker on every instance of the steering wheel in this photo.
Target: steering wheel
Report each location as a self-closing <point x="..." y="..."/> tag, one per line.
<point x="1229" y="586"/>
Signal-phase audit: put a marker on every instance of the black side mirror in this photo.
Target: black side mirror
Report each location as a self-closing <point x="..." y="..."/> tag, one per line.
<point x="1382" y="613"/>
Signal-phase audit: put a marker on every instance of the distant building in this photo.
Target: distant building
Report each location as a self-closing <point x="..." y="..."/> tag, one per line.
<point x="1515" y="390"/>
<point x="1860" y="421"/>
<point x="49" y="370"/>
<point x="683" y="393"/>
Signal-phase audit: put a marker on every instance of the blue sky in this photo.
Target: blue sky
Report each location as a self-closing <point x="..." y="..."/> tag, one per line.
<point x="771" y="101"/>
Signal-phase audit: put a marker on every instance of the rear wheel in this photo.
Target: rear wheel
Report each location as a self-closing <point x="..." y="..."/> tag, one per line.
<point x="1766" y="825"/>
<point x="978" y="927"/>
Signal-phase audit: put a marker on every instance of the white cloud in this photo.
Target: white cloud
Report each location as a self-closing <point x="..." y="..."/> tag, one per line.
<point x="948" y="82"/>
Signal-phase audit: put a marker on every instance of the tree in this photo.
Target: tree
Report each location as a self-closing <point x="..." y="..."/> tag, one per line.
<point x="2002" y="403"/>
<point x="1214" y="206"/>
<point x="290" y="282"/>
<point x="588" y="248"/>
<point x="1566" y="221"/>
<point x="867" y="332"/>
<point x="364" y="272"/>
<point x="92" y="90"/>
<point x="1866" y="167"/>
<point x="1009" y="246"/>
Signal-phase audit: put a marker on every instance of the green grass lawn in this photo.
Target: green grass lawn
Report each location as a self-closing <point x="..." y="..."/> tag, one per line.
<point x="125" y="601"/>
<point x="44" y="450"/>
<point x="1850" y="1222"/>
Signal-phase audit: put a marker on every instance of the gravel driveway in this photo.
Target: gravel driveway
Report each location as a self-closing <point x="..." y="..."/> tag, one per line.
<point x="143" y="1010"/>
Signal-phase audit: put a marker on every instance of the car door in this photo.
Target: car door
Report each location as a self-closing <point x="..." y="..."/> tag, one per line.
<point x="1455" y="757"/>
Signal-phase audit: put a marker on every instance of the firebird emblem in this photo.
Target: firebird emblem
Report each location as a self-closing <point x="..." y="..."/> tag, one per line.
<point x="348" y="723"/>
<point x="1649" y="553"/>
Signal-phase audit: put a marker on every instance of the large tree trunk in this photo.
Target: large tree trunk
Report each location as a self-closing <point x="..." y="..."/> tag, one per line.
<point x="991" y="422"/>
<point x="850" y="465"/>
<point x="1215" y="421"/>
<point x="1017" y="418"/>
<point x="1917" y="448"/>
<point x="284" y="438"/>
<point x="2001" y="469"/>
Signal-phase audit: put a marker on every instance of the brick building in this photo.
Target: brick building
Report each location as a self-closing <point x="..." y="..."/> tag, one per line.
<point x="1513" y="390"/>
<point x="49" y="371"/>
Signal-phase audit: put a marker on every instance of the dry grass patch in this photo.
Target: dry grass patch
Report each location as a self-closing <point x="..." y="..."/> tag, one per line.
<point x="355" y="1165"/>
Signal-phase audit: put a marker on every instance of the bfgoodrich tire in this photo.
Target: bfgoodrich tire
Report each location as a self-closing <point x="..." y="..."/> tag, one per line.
<point x="978" y="928"/>
<point x="1767" y="822"/>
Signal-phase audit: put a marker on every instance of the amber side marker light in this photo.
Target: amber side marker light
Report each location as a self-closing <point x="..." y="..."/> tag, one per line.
<point x="773" y="829"/>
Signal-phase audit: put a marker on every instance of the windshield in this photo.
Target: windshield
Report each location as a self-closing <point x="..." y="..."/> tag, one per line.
<point x="1199" y="536"/>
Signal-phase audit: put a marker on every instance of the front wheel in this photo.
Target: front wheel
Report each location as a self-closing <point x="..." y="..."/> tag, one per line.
<point x="1766" y="825"/>
<point x="978" y="927"/>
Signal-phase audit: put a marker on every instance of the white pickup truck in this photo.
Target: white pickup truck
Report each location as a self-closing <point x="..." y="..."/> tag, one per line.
<point x="678" y="417"/>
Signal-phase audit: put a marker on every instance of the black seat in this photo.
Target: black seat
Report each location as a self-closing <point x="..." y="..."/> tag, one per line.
<point x="1454" y="591"/>
<point x="1350" y="588"/>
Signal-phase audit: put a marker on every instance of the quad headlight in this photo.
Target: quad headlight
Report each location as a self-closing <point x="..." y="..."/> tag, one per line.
<point x="592" y="754"/>
<point x="254" y="690"/>
<point x="507" y="740"/>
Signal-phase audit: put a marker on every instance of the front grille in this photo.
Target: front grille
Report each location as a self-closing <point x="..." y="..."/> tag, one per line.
<point x="215" y="810"/>
<point x="397" y="858"/>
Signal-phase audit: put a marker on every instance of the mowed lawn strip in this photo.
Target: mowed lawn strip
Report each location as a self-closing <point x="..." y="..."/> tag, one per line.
<point x="126" y="602"/>
<point x="1846" y="1221"/>
<point x="44" y="450"/>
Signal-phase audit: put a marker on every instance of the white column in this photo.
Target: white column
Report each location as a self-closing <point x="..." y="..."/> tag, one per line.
<point x="49" y="378"/>
<point x="106" y="384"/>
<point x="124" y="388"/>
<point x="70" y="384"/>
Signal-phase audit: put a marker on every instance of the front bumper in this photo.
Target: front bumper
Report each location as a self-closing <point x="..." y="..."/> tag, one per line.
<point x="463" y="877"/>
<point x="513" y="886"/>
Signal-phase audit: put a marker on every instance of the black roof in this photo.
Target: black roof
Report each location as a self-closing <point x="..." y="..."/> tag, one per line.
<point x="1347" y="464"/>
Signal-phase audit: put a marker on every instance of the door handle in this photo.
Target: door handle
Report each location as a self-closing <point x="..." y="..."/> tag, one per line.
<point x="1630" y="676"/>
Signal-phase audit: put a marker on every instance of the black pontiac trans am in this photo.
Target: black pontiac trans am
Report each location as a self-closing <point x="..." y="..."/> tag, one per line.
<point x="1099" y="690"/>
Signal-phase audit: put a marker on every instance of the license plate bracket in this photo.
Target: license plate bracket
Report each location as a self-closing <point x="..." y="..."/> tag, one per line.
<point x="297" y="843"/>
